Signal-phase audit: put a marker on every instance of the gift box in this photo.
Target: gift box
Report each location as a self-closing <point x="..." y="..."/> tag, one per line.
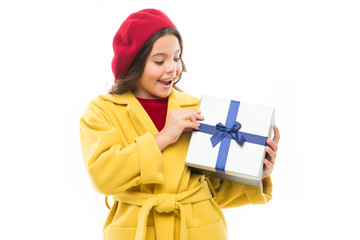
<point x="230" y="143"/>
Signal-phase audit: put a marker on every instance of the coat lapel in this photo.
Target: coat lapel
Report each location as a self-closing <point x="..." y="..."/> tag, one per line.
<point x="138" y="116"/>
<point x="179" y="100"/>
<point x="140" y="119"/>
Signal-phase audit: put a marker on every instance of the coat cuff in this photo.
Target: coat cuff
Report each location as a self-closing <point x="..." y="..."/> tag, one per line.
<point x="150" y="159"/>
<point x="259" y="195"/>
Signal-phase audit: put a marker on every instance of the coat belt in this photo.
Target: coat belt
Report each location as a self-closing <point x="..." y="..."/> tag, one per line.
<point x="165" y="203"/>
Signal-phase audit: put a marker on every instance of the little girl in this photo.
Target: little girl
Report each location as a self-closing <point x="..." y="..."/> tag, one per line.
<point x="134" y="142"/>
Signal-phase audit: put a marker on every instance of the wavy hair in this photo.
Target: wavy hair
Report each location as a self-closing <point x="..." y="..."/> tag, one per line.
<point x="128" y="81"/>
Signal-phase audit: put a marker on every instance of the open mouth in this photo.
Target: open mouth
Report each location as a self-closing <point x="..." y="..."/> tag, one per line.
<point x="165" y="83"/>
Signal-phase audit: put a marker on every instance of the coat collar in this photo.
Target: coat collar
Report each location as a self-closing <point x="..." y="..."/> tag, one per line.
<point x="176" y="97"/>
<point x="141" y="120"/>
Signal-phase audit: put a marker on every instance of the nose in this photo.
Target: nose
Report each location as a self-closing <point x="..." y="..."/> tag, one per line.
<point x="171" y="67"/>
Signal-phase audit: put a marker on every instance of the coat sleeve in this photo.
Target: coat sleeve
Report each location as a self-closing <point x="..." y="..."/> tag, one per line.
<point x="113" y="166"/>
<point x="232" y="194"/>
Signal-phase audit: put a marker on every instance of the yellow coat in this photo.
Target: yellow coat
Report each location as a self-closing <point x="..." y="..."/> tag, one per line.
<point x="156" y="195"/>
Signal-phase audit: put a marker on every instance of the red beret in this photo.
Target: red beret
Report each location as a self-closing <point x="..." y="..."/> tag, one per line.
<point x="133" y="34"/>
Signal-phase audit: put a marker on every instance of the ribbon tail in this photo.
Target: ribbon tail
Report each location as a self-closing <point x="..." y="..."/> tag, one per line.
<point x="238" y="137"/>
<point x="242" y="139"/>
<point x="217" y="137"/>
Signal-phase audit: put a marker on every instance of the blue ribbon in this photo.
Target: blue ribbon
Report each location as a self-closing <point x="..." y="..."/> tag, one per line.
<point x="224" y="133"/>
<point x="251" y="138"/>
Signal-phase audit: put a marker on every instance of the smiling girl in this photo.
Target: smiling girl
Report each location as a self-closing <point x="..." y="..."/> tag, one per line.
<point x="135" y="138"/>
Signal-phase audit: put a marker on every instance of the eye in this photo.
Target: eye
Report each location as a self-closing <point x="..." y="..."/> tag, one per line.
<point x="159" y="62"/>
<point x="177" y="59"/>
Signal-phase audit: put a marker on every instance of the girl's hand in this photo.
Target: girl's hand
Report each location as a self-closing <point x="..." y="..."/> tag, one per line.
<point x="271" y="149"/>
<point x="178" y="121"/>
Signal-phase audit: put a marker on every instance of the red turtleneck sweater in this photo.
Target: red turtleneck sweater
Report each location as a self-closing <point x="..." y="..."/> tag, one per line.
<point x="156" y="109"/>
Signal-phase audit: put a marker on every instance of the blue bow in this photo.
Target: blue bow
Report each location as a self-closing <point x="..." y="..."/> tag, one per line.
<point x="222" y="131"/>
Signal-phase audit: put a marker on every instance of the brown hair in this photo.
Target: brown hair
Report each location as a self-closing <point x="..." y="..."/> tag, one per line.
<point x="128" y="81"/>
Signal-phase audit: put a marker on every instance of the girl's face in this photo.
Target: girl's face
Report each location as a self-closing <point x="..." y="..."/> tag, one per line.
<point x="162" y="68"/>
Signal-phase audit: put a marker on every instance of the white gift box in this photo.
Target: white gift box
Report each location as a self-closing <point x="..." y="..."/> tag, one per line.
<point x="228" y="159"/>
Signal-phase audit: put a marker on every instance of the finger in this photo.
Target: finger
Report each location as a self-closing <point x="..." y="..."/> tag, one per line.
<point x="199" y="117"/>
<point x="272" y="144"/>
<point x="188" y="129"/>
<point x="188" y="113"/>
<point x="191" y="125"/>
<point x="268" y="165"/>
<point x="271" y="154"/>
<point x="193" y="118"/>
<point x="192" y="115"/>
<point x="276" y="134"/>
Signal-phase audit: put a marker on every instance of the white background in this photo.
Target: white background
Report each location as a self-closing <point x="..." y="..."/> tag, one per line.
<point x="302" y="57"/>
